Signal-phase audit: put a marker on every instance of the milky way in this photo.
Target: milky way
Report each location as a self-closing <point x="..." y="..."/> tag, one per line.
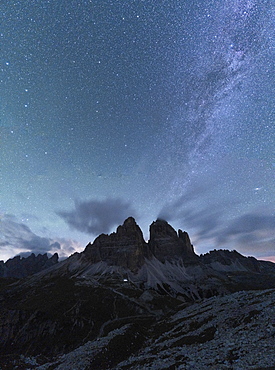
<point x="142" y="108"/>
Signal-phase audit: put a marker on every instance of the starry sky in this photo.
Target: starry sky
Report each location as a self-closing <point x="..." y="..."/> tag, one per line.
<point x="144" y="108"/>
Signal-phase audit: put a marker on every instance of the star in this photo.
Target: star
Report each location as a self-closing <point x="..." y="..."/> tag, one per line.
<point x="160" y="107"/>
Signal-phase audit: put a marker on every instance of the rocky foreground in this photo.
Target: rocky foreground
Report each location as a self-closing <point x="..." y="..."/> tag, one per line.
<point x="232" y="332"/>
<point x="236" y="331"/>
<point x="124" y="303"/>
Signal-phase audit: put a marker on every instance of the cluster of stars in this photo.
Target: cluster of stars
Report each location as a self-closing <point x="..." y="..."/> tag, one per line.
<point x="139" y="100"/>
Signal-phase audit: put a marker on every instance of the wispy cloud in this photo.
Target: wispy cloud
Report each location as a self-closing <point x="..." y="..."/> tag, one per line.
<point x="249" y="233"/>
<point x="195" y="210"/>
<point x="250" y="223"/>
<point x="97" y="216"/>
<point x="17" y="237"/>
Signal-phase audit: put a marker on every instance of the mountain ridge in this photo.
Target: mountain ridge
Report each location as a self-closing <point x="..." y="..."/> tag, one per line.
<point x="167" y="262"/>
<point x="109" y="306"/>
<point x="20" y="267"/>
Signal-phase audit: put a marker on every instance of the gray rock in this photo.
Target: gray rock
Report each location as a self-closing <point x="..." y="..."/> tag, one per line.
<point x="126" y="247"/>
<point x="166" y="245"/>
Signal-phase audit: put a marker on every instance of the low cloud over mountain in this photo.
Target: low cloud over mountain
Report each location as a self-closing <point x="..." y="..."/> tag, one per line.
<point x="95" y="216"/>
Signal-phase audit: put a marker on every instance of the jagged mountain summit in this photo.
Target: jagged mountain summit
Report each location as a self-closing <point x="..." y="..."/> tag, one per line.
<point x="127" y="248"/>
<point x="20" y="267"/>
<point x="166" y="263"/>
<point x="108" y="307"/>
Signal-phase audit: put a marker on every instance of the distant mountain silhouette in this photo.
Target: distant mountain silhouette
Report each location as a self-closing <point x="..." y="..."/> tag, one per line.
<point x="20" y="267"/>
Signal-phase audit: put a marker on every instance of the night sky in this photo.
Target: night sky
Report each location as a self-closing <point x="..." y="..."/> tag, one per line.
<point x="144" y="108"/>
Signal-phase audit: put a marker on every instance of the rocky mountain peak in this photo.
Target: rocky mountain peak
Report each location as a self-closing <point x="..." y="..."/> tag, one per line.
<point x="130" y="229"/>
<point x="127" y="252"/>
<point x="183" y="235"/>
<point x="125" y="247"/>
<point x="166" y="244"/>
<point x="161" y="228"/>
<point x="20" y="267"/>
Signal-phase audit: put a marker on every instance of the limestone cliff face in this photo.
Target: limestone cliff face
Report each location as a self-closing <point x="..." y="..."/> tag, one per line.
<point x="126" y="247"/>
<point x="166" y="244"/>
<point x="188" y="247"/>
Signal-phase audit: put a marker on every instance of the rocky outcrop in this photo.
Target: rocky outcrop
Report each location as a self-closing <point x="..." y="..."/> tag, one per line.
<point x="167" y="263"/>
<point x="165" y="244"/>
<point x="126" y="247"/>
<point x="231" y="332"/>
<point x="188" y="247"/>
<point x="20" y="267"/>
